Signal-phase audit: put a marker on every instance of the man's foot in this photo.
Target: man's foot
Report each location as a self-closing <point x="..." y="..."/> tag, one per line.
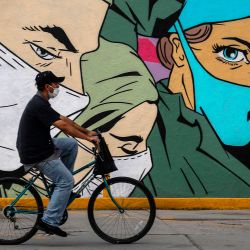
<point x="50" y="229"/>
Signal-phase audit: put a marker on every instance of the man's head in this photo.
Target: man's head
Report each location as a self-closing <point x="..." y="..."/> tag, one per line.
<point x="48" y="83"/>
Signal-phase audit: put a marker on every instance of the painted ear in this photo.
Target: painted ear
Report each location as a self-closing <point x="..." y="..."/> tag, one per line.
<point x="164" y="52"/>
<point x="177" y="52"/>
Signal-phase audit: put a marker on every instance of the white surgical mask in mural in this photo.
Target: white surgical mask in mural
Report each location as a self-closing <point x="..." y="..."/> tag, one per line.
<point x="135" y="166"/>
<point x="16" y="89"/>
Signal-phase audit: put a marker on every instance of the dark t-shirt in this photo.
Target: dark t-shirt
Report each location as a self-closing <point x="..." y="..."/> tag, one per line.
<point x="34" y="142"/>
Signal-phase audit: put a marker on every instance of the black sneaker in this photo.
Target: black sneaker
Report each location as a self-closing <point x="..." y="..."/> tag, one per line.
<point x="50" y="229"/>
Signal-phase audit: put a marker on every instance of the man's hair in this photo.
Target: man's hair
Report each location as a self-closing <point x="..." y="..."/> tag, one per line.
<point x="40" y="86"/>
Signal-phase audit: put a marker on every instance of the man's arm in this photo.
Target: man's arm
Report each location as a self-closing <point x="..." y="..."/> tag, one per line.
<point x="75" y="125"/>
<point x="68" y="127"/>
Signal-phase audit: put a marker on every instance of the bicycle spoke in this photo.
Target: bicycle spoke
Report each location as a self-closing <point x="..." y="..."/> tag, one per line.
<point x="128" y="223"/>
<point x="17" y="221"/>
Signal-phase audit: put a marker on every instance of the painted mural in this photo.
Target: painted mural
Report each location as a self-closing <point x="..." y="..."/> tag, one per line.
<point x="169" y="90"/>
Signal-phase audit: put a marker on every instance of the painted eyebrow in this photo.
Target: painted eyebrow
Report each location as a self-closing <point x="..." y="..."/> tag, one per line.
<point x="58" y="33"/>
<point x="134" y="138"/>
<point x="238" y="40"/>
<point x="36" y="41"/>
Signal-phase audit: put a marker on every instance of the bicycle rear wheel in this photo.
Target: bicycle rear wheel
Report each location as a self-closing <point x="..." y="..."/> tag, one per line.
<point x="18" y="221"/>
<point x="126" y="216"/>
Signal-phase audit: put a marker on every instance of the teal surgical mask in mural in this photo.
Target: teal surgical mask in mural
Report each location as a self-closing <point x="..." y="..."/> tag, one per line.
<point x="225" y="104"/>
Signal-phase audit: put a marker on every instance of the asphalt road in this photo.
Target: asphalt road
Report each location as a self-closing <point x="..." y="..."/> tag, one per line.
<point x="175" y="230"/>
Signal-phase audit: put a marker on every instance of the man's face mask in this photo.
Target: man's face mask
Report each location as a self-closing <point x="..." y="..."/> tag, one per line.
<point x="225" y="104"/>
<point x="54" y="93"/>
<point x="18" y="77"/>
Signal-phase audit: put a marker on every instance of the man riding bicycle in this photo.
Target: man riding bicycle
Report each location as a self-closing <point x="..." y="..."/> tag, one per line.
<point x="55" y="157"/>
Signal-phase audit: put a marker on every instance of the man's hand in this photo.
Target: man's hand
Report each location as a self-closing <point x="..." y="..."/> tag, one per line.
<point x="93" y="137"/>
<point x="95" y="140"/>
<point x="92" y="133"/>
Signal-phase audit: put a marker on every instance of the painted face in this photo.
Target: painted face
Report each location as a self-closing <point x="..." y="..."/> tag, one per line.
<point x="226" y="53"/>
<point x="53" y="36"/>
<point x="16" y="89"/>
<point x="222" y="92"/>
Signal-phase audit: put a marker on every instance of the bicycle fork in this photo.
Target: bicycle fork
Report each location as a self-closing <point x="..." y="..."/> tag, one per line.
<point x="121" y="210"/>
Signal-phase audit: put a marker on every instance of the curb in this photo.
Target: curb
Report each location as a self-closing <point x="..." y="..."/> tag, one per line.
<point x="183" y="203"/>
<point x="161" y="203"/>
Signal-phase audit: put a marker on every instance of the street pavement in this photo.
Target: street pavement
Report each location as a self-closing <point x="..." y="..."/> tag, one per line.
<point x="172" y="230"/>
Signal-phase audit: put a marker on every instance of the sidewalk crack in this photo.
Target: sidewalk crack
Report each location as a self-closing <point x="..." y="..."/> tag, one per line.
<point x="193" y="242"/>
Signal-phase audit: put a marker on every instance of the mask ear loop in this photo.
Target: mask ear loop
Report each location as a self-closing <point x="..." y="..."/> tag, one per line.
<point x="195" y="66"/>
<point x="191" y="60"/>
<point x="52" y="88"/>
<point x="186" y="48"/>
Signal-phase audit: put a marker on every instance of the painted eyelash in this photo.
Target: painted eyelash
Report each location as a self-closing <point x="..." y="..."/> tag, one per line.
<point x="44" y="50"/>
<point x="227" y="62"/>
<point x="28" y="42"/>
<point x="218" y="48"/>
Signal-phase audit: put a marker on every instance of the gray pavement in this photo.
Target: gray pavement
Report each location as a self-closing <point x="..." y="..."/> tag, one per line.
<point x="173" y="230"/>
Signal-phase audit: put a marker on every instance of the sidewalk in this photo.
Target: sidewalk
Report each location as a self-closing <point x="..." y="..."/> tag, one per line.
<point x="175" y="230"/>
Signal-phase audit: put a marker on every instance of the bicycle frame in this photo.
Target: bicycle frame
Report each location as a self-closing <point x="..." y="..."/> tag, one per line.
<point x="48" y="188"/>
<point x="98" y="173"/>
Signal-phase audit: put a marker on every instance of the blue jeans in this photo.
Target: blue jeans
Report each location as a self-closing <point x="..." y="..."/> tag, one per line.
<point x="60" y="172"/>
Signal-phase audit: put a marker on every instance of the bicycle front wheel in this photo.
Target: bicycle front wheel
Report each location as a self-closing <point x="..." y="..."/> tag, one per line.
<point x="18" y="220"/>
<point x="122" y="214"/>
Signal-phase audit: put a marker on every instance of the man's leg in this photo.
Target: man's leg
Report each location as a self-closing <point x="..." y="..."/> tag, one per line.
<point x="64" y="182"/>
<point x="69" y="149"/>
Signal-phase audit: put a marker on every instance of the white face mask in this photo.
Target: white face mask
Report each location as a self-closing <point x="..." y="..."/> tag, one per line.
<point x="17" y="77"/>
<point x="54" y="93"/>
<point x="135" y="166"/>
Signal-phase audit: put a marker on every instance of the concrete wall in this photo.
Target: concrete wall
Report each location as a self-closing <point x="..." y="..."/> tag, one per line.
<point x="176" y="118"/>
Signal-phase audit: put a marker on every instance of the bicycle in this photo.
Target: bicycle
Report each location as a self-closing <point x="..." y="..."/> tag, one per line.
<point x="120" y="210"/>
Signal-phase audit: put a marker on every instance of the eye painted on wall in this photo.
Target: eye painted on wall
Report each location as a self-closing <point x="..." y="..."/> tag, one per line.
<point x="127" y="151"/>
<point x="230" y="54"/>
<point x="41" y="52"/>
<point x="133" y="140"/>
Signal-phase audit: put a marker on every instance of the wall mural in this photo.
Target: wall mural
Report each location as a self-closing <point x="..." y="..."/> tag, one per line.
<point x="170" y="91"/>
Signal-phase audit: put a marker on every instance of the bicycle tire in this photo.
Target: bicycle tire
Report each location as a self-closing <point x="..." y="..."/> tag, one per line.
<point x="93" y="210"/>
<point x="30" y="194"/>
